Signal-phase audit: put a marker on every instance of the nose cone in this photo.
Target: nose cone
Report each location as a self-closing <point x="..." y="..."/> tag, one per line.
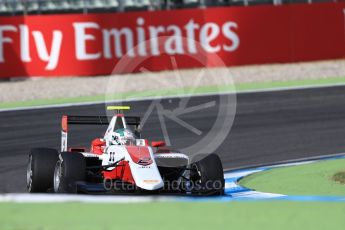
<point x="144" y="168"/>
<point x="151" y="184"/>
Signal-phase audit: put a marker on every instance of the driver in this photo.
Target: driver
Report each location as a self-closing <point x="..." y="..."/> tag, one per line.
<point x="123" y="137"/>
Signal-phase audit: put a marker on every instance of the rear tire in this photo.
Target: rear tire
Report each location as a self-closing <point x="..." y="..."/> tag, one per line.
<point x="207" y="175"/>
<point x="40" y="170"/>
<point x="70" y="169"/>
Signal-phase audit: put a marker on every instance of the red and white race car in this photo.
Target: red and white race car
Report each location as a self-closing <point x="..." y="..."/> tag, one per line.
<point x="121" y="161"/>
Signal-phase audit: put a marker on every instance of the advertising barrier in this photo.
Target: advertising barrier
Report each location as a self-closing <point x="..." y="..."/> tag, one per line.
<point x="92" y="44"/>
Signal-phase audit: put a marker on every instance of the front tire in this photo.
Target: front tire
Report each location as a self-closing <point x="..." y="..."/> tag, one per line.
<point x="68" y="170"/>
<point x="207" y="175"/>
<point x="40" y="169"/>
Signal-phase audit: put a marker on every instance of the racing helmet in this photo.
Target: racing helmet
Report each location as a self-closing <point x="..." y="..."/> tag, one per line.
<point x="123" y="137"/>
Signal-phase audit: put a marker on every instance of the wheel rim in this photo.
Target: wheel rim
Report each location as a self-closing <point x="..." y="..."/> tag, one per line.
<point x="29" y="174"/>
<point x="57" y="176"/>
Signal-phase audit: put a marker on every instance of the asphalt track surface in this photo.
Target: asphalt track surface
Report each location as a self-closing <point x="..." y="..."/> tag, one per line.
<point x="268" y="127"/>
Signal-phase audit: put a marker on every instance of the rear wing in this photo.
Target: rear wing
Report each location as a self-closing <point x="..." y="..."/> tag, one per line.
<point x="95" y="120"/>
<point x="90" y="120"/>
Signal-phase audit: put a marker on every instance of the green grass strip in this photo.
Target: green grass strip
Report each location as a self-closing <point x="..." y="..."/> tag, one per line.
<point x="272" y="215"/>
<point x="178" y="92"/>
<point x="309" y="179"/>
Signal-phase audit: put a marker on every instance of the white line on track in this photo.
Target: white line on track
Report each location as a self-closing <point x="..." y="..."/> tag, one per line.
<point x="56" y="198"/>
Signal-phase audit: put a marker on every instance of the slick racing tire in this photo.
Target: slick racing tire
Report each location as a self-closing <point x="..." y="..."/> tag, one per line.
<point x="207" y="176"/>
<point x="70" y="168"/>
<point x="40" y="169"/>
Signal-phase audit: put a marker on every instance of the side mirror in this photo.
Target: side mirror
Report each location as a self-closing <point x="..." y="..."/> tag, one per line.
<point x="158" y="144"/>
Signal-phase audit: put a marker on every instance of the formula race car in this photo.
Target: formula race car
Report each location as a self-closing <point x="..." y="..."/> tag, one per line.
<point x="121" y="162"/>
